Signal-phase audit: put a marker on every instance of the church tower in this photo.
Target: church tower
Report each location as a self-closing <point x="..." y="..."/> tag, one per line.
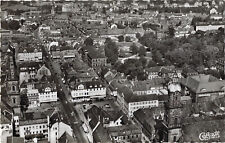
<point x="13" y="82"/>
<point x="174" y="111"/>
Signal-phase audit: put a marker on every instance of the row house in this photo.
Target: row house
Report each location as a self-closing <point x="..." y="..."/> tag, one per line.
<point x="203" y="88"/>
<point x="85" y="91"/>
<point x="29" y="54"/>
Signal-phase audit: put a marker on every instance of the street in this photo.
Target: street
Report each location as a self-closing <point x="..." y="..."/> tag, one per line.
<point x="64" y="97"/>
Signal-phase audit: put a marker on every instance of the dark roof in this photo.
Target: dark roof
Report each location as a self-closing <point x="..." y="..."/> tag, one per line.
<point x="98" y="114"/>
<point x="101" y="136"/>
<point x="90" y="85"/>
<point x="66" y="138"/>
<point x="124" y="130"/>
<point x="95" y="54"/>
<point x="204" y="83"/>
<point x="15" y="140"/>
<point x="147" y="84"/>
<point x="164" y="69"/>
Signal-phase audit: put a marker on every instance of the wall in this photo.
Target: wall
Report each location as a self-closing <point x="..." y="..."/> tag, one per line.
<point x="34" y="129"/>
<point x="47" y="97"/>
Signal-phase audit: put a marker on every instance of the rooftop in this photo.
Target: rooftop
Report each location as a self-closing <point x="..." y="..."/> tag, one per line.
<point x="204" y="84"/>
<point x="125" y="130"/>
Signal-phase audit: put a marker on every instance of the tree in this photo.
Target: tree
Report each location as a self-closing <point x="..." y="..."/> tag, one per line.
<point x="89" y="41"/>
<point x="134" y="49"/>
<point x="151" y="63"/>
<point x="121" y="38"/>
<point x="171" y="31"/>
<point x="142" y="51"/>
<point x="111" y="51"/>
<point x="143" y="61"/>
<point x="14" y="25"/>
<point x="128" y="39"/>
<point x="138" y="35"/>
<point x="24" y="102"/>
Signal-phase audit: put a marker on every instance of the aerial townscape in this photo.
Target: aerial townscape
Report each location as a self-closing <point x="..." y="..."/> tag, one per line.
<point x="112" y="71"/>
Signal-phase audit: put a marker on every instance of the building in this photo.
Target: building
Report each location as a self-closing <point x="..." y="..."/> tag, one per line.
<point x="28" y="71"/>
<point x="126" y="133"/>
<point x="43" y="71"/>
<point x="71" y="7"/>
<point x="58" y="129"/>
<point x="162" y="72"/>
<point x="174" y="112"/>
<point x="130" y="102"/>
<point x="63" y="52"/>
<point x="95" y="59"/>
<point x="6" y="122"/>
<point x="47" y="93"/>
<point x="12" y="84"/>
<point x="209" y="26"/>
<point x="85" y="91"/>
<point x="39" y="91"/>
<point x="203" y="88"/>
<point x="147" y="119"/>
<point x="29" y="54"/>
<point x="221" y="64"/>
<point x="147" y="87"/>
<point x="34" y="124"/>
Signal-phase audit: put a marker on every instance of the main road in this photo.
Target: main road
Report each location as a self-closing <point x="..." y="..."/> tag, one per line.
<point x="64" y="95"/>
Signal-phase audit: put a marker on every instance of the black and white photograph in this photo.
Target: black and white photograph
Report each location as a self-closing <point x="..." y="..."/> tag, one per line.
<point x="112" y="71"/>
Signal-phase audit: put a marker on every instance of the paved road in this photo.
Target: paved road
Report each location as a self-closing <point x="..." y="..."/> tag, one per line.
<point x="64" y="97"/>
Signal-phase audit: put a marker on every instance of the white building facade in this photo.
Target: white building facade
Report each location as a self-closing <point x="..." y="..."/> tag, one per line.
<point x="85" y="93"/>
<point x="48" y="95"/>
<point x="34" y="127"/>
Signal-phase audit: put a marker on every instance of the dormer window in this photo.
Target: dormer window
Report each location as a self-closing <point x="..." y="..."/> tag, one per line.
<point x="203" y="90"/>
<point x="223" y="88"/>
<point x="47" y="89"/>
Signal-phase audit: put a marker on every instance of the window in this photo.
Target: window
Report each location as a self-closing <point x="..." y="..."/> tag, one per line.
<point x="174" y="138"/>
<point x="13" y="88"/>
<point x="14" y="100"/>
